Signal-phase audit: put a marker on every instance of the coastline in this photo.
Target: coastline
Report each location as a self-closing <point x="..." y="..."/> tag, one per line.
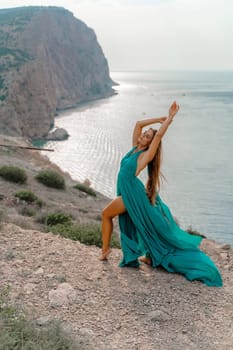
<point x="39" y="142"/>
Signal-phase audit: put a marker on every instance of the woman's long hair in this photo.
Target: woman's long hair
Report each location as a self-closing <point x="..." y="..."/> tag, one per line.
<point x="154" y="174"/>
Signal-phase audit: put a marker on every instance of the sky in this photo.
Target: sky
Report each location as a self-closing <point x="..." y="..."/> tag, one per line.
<point x="156" y="34"/>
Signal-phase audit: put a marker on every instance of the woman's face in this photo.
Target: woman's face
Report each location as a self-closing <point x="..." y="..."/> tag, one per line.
<point x="146" y="138"/>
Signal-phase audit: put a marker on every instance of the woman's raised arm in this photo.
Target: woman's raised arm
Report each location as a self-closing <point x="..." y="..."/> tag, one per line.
<point x="141" y="124"/>
<point x="148" y="155"/>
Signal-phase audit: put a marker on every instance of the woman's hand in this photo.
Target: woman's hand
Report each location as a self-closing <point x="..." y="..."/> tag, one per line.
<point x="173" y="109"/>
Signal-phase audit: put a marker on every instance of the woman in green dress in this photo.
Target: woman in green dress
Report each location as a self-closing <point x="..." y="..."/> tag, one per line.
<point x="149" y="232"/>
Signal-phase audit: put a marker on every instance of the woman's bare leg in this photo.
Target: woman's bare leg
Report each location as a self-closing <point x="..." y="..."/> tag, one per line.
<point x="114" y="208"/>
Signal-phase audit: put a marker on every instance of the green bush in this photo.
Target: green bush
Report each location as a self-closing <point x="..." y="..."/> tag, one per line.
<point x="39" y="202"/>
<point x="85" y="189"/>
<point x="2" y="216"/>
<point x="30" y="198"/>
<point x="56" y="219"/>
<point x="18" y="333"/>
<point x="26" y="196"/>
<point x="13" y="174"/>
<point x="3" y="97"/>
<point x="1" y="81"/>
<point x="191" y="231"/>
<point x="89" y="234"/>
<point x="51" y="178"/>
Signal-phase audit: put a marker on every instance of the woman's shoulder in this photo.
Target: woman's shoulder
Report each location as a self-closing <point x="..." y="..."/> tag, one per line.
<point x="131" y="150"/>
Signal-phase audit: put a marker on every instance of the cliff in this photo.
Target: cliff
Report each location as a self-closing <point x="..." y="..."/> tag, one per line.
<point x="49" y="61"/>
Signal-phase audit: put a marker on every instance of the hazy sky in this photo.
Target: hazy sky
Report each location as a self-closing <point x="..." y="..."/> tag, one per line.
<point x="156" y="34"/>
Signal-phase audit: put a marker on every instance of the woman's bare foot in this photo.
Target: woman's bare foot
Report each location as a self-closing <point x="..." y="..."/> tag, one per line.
<point x="104" y="255"/>
<point x="145" y="260"/>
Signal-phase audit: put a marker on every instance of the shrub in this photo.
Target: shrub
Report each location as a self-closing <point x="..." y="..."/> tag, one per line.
<point x="51" y="178"/>
<point x="89" y="234"/>
<point x="9" y="255"/>
<point x="40" y="203"/>
<point x="26" y="196"/>
<point x="1" y="80"/>
<point x="85" y="189"/>
<point x="13" y="174"/>
<point x="56" y="219"/>
<point x="191" y="231"/>
<point x="29" y="197"/>
<point x="26" y="211"/>
<point x="61" y="278"/>
<point x="16" y="332"/>
<point x="2" y="216"/>
<point x="3" y="97"/>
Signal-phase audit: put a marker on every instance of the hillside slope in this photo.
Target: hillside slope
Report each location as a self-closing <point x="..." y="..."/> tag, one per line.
<point x="102" y="306"/>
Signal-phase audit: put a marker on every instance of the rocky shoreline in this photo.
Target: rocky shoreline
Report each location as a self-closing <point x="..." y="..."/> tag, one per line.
<point x="101" y="305"/>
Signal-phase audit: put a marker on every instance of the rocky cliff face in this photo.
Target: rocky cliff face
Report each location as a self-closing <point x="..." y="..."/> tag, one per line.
<point x="49" y="61"/>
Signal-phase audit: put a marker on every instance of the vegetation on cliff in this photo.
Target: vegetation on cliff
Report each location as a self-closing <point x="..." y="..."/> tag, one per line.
<point x="37" y="194"/>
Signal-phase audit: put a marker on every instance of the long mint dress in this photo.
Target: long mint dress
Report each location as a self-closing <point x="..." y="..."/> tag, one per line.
<point x="150" y="230"/>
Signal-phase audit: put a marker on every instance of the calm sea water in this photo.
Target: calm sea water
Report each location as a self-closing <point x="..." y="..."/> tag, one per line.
<point x="198" y="147"/>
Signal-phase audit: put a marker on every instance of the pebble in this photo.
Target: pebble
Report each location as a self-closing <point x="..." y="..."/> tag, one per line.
<point x="225" y="247"/>
<point x="62" y="296"/>
<point x="158" y="316"/>
<point x="42" y="320"/>
<point x="40" y="271"/>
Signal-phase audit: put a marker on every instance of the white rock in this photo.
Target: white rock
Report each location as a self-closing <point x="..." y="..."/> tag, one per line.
<point x="29" y="287"/>
<point x="86" y="332"/>
<point x="224" y="256"/>
<point x="39" y="271"/>
<point x="51" y="275"/>
<point x="63" y="295"/>
<point x="158" y="315"/>
<point x="42" y="320"/>
<point x="58" y="134"/>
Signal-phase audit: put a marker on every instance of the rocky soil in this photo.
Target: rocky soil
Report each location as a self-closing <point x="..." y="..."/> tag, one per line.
<point x="103" y="306"/>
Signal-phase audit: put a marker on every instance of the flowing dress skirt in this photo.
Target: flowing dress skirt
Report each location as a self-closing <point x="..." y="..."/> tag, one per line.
<point x="150" y="230"/>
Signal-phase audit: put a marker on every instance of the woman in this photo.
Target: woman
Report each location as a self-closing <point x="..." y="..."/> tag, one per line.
<point x="146" y="224"/>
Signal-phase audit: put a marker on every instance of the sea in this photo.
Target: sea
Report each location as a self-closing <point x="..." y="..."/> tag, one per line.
<point x="197" y="148"/>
